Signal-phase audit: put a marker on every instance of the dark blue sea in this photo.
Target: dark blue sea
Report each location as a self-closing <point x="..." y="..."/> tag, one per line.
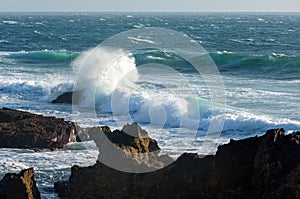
<point x="256" y="57"/>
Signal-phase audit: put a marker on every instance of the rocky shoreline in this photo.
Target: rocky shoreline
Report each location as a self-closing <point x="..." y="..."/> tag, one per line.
<point x="259" y="167"/>
<point x="20" y="129"/>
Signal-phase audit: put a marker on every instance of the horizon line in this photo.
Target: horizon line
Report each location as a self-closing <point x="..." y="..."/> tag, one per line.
<point x="153" y="11"/>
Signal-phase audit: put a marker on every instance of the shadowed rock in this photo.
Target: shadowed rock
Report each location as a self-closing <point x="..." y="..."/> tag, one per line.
<point x="64" y="98"/>
<point x="19" y="129"/>
<point x="68" y="97"/>
<point x="258" y="167"/>
<point x="62" y="188"/>
<point x="19" y="186"/>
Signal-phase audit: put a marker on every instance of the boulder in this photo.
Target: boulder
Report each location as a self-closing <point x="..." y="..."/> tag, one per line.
<point x="19" y="129"/>
<point x="64" y="98"/>
<point x="259" y="167"/>
<point x="19" y="186"/>
<point x="68" y="97"/>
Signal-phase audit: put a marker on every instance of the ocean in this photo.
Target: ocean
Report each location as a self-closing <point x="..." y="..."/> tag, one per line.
<point x="257" y="56"/>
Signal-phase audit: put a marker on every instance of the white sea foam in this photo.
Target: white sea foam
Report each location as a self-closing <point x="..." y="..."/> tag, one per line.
<point x="141" y="39"/>
<point x="3" y="41"/>
<point x="38" y="32"/>
<point x="163" y="108"/>
<point x="225" y="52"/>
<point x="154" y="58"/>
<point x="10" y="22"/>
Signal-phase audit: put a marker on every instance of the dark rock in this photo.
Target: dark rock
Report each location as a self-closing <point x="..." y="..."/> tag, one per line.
<point x="132" y="137"/>
<point x="258" y="167"/>
<point x="19" y="129"/>
<point x="64" y="98"/>
<point x="19" y="186"/>
<point x="68" y="98"/>
<point x="129" y="148"/>
<point x="62" y="188"/>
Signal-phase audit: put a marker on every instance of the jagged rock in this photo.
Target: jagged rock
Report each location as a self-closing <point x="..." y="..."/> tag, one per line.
<point x="258" y="167"/>
<point x="19" y="186"/>
<point x="129" y="150"/>
<point x="19" y="129"/>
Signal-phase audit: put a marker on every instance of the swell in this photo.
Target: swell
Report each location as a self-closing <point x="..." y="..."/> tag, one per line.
<point x="243" y="61"/>
<point x="43" y="56"/>
<point x="225" y="61"/>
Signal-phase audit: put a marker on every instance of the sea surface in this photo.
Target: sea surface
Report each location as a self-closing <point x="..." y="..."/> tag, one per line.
<point x="257" y="56"/>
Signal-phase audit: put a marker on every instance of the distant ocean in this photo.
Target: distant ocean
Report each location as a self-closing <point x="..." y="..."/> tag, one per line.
<point x="258" y="56"/>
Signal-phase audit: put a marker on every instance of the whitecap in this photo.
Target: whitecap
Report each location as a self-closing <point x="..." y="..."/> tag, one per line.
<point x="224" y="52"/>
<point x="139" y="25"/>
<point x="278" y="55"/>
<point x="38" y="32"/>
<point x="141" y="39"/>
<point x="155" y="58"/>
<point x="39" y="23"/>
<point x="10" y="22"/>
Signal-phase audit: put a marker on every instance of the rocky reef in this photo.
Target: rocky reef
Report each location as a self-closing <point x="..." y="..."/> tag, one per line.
<point x="19" y="129"/>
<point x="257" y="167"/>
<point x="19" y="186"/>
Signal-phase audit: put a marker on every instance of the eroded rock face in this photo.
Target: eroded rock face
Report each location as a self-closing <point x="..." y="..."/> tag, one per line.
<point x="130" y="149"/>
<point x="258" y="167"/>
<point x="19" y="186"/>
<point x="19" y="129"/>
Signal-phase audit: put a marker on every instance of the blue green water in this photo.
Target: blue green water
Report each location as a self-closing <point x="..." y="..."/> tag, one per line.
<point x="258" y="56"/>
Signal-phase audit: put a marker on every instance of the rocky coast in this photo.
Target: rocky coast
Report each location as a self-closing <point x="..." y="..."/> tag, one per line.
<point x="265" y="166"/>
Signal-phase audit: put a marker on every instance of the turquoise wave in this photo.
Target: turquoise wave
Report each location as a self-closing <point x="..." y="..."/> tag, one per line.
<point x="224" y="61"/>
<point x="44" y="56"/>
<point x="227" y="61"/>
<point x="244" y="61"/>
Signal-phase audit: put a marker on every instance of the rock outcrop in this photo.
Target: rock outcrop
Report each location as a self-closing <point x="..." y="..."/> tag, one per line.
<point x="258" y="167"/>
<point x="68" y="97"/>
<point x="19" y="186"/>
<point x="19" y="129"/>
<point x="130" y="149"/>
<point x="65" y="98"/>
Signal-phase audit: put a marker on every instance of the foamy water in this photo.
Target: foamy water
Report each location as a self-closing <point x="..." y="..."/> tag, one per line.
<point x="259" y="68"/>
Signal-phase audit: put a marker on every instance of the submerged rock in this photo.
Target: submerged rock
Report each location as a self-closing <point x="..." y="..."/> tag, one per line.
<point x="258" y="167"/>
<point x="19" y="186"/>
<point x="19" y="129"/>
